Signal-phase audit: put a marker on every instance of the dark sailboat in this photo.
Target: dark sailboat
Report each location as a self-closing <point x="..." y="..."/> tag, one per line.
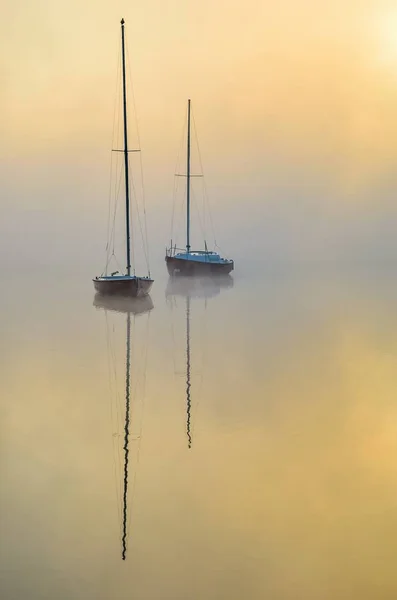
<point x="124" y="284"/>
<point x="188" y="261"/>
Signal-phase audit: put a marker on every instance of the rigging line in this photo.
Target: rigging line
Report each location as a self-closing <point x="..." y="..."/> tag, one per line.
<point x="176" y="179"/>
<point x="116" y="94"/>
<point x="195" y="203"/>
<point x="180" y="219"/>
<point x="146" y="357"/>
<point x="119" y="409"/>
<point x="112" y="236"/>
<point x="195" y="135"/>
<point x="173" y="333"/>
<point x="132" y="233"/>
<point x="118" y="140"/>
<point x="137" y="437"/>
<point x="177" y="165"/>
<point x="174" y="197"/>
<point x="115" y="139"/>
<point x="145" y="238"/>
<point x="115" y="142"/>
<point x="206" y="195"/>
<point x="117" y="399"/>
<point x="114" y="443"/>
<point x="112" y="416"/>
<point x="115" y="196"/>
<point x="119" y="267"/>
<point x="142" y="420"/>
<point x="175" y="227"/>
<point x="116" y="199"/>
<point x="120" y="421"/>
<point x="203" y="328"/>
<point x="118" y="157"/>
<point x="109" y="212"/>
<point x="134" y="391"/>
<point x="133" y="95"/>
<point x="145" y="216"/>
<point x="134" y="195"/>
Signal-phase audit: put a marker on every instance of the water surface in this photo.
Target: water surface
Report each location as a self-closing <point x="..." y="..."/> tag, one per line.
<point x="262" y="438"/>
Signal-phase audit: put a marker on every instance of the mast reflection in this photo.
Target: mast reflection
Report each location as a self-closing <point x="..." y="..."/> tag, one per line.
<point x="194" y="287"/>
<point x="188" y="384"/>
<point x="134" y="307"/>
<point x="123" y="304"/>
<point x="198" y="287"/>
<point x="126" y="435"/>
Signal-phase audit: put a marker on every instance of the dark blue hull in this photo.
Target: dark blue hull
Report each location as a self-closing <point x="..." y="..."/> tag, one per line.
<point x="194" y="267"/>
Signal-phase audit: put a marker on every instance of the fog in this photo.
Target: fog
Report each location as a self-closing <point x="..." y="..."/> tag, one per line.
<point x="263" y="420"/>
<point x="294" y="107"/>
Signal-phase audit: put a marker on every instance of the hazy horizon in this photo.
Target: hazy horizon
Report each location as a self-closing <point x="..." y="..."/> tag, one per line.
<point x="294" y="109"/>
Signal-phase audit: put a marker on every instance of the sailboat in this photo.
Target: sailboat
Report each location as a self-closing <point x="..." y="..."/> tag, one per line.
<point x="194" y="262"/>
<point x="124" y="284"/>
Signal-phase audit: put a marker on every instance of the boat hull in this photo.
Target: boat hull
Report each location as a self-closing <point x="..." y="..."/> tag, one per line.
<point x="133" y="287"/>
<point x="194" y="267"/>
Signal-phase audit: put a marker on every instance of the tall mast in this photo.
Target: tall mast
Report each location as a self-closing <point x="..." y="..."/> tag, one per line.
<point x="188" y="181"/>
<point x="127" y="187"/>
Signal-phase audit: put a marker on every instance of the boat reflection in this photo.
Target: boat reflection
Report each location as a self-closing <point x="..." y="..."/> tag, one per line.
<point x="198" y="287"/>
<point x="189" y="288"/>
<point x="132" y="307"/>
<point x="124" y="304"/>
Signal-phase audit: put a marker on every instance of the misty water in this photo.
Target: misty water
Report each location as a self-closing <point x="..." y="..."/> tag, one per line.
<point x="271" y="473"/>
<point x="259" y="456"/>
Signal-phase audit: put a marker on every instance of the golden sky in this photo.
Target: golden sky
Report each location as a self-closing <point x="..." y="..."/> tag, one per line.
<point x="294" y="102"/>
<point x="301" y="74"/>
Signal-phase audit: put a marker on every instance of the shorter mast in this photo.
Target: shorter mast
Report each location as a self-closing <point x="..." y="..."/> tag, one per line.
<point x="127" y="186"/>
<point x="188" y="182"/>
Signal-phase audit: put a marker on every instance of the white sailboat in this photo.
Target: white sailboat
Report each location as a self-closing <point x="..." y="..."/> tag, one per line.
<point x="127" y="284"/>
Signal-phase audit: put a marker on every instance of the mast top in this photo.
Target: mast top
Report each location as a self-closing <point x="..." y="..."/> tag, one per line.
<point x="122" y="22"/>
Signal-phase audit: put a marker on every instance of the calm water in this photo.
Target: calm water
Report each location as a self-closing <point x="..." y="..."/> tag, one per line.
<point x="271" y="473"/>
